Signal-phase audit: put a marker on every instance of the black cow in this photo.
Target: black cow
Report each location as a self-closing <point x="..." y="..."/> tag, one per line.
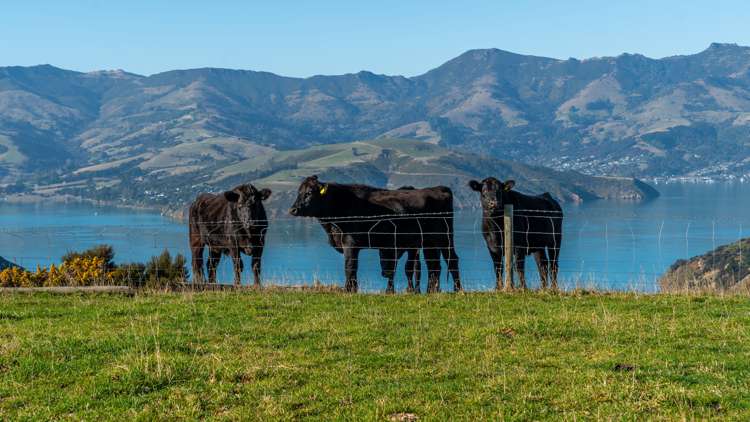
<point x="413" y="267"/>
<point x="537" y="228"/>
<point x="230" y="223"/>
<point x="357" y="217"/>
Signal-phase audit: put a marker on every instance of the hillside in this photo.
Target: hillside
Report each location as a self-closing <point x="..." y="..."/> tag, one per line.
<point x="383" y="162"/>
<point x="625" y="115"/>
<point x="726" y="268"/>
<point x="4" y="263"/>
<point x="394" y="163"/>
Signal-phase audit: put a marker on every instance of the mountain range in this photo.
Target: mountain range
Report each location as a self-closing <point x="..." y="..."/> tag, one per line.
<point x="624" y="116"/>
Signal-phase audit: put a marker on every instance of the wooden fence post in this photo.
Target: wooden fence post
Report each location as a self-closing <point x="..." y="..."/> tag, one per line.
<point x="508" y="245"/>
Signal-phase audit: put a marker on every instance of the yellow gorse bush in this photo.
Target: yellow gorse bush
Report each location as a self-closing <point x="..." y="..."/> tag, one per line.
<point x="95" y="267"/>
<point x="16" y="277"/>
<point x="84" y="271"/>
<point x="79" y="271"/>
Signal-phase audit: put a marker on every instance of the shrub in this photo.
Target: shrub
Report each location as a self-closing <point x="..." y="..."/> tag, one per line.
<point x="94" y="267"/>
<point x="15" y="277"/>
<point x="131" y="274"/>
<point x="164" y="272"/>
<point x="55" y="276"/>
<point x="85" y="271"/>
<point x="78" y="271"/>
<point x="104" y="252"/>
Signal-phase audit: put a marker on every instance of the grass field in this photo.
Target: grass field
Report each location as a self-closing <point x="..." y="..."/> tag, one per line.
<point x="287" y="355"/>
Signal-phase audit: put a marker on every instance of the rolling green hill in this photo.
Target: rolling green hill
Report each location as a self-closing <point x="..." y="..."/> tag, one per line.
<point x="387" y="163"/>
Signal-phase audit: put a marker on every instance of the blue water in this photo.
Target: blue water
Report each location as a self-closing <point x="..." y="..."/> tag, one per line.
<point x="606" y="244"/>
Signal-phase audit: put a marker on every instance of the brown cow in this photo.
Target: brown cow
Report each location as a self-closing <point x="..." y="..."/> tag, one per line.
<point x="229" y="223"/>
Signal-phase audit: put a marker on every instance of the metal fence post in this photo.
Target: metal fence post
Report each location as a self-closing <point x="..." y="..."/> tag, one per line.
<point x="508" y="245"/>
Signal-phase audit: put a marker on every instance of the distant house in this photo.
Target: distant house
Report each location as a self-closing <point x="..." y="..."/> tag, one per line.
<point x="4" y="263"/>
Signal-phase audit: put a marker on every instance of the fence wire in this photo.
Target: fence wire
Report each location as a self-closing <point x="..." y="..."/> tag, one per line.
<point x="598" y="253"/>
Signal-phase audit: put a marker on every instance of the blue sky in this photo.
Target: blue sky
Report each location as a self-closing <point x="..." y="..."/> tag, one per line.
<point x="334" y="37"/>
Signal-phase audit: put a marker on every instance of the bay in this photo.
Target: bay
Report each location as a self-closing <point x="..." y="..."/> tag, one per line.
<point x="610" y="245"/>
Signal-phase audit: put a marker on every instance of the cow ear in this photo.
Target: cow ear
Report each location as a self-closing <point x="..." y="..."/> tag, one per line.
<point x="474" y="185"/>
<point x="314" y="177"/>
<point x="264" y="194"/>
<point x="323" y="189"/>
<point x="231" y="196"/>
<point x="509" y="184"/>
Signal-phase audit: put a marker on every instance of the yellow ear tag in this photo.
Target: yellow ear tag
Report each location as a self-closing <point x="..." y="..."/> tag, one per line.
<point x="324" y="189"/>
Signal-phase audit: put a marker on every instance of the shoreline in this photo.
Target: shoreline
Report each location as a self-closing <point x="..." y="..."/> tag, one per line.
<point x="178" y="214"/>
<point x="36" y="199"/>
<point x="697" y="179"/>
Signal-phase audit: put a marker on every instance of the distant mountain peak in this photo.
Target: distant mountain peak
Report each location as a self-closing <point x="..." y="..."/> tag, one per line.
<point x="636" y="55"/>
<point x="487" y="54"/>
<point x="366" y="75"/>
<point x="114" y="73"/>
<point x="723" y="46"/>
<point x="723" y="49"/>
<point x="39" y="68"/>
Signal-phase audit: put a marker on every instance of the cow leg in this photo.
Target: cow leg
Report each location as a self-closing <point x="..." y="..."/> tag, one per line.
<point x="497" y="262"/>
<point x="417" y="272"/>
<point x="409" y="270"/>
<point x="451" y="258"/>
<point x="542" y="265"/>
<point x="432" y="258"/>
<point x="413" y="271"/>
<point x="351" y="263"/>
<point x="520" y="269"/>
<point x="197" y="255"/>
<point x="257" y="253"/>
<point x="214" y="256"/>
<point x="237" y="264"/>
<point x="388" y="259"/>
<point x="554" y="255"/>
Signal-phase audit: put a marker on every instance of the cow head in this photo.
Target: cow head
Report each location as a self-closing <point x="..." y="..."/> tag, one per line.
<point x="493" y="193"/>
<point x="311" y="198"/>
<point x="249" y="203"/>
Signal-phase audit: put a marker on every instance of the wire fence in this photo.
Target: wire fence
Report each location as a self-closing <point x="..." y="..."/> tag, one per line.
<point x="595" y="252"/>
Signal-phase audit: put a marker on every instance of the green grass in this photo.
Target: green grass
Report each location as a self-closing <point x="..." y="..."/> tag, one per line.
<point x="286" y="355"/>
<point x="344" y="155"/>
<point x="322" y="157"/>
